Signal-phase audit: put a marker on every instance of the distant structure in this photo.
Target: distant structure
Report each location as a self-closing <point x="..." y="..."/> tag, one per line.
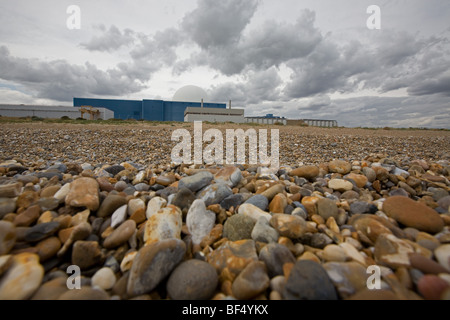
<point x="267" y="119"/>
<point x="271" y="119"/>
<point x="320" y="123"/>
<point x="53" y="112"/>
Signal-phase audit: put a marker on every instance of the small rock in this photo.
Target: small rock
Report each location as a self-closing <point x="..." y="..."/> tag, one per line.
<point x="135" y="205"/>
<point x="121" y="235"/>
<point x="152" y="264"/>
<point x="119" y="216"/>
<point x="289" y="226"/>
<point x="442" y="254"/>
<point x="22" y="278"/>
<point x="413" y="214"/>
<point x="431" y="287"/>
<point x="28" y="217"/>
<point x="85" y="293"/>
<point x="425" y="265"/>
<point x="192" y="280"/>
<point x="51" y="290"/>
<point x="339" y="166"/>
<point x="308" y="280"/>
<point x="62" y="193"/>
<point x="7" y="237"/>
<point x="238" y="227"/>
<point x="164" y="224"/>
<point x="307" y="172"/>
<point x="359" y="179"/>
<point x="253" y="212"/>
<point x="154" y="205"/>
<point x="41" y="231"/>
<point x="86" y="254"/>
<point x="320" y="240"/>
<point x="196" y="181"/>
<point x="199" y="221"/>
<point x="259" y="201"/>
<point x="84" y="193"/>
<point x="7" y="205"/>
<point x="26" y="199"/>
<point x="48" y="248"/>
<point x="334" y="253"/>
<point x="263" y="232"/>
<point x="278" y="203"/>
<point x="275" y="255"/>
<point x="392" y="252"/>
<point x="348" y="277"/>
<point x="10" y="190"/>
<point x="233" y="200"/>
<point x="183" y="199"/>
<point x="104" y="279"/>
<point x="327" y="208"/>
<point x="252" y="281"/>
<point x="115" y="169"/>
<point x="340" y="185"/>
<point x="273" y="191"/>
<point x="370" y="174"/>
<point x="214" y="193"/>
<point x="230" y="175"/>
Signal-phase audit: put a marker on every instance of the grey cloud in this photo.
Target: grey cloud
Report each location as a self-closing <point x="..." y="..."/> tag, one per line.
<point x="60" y="80"/>
<point x="218" y="23"/>
<point x="110" y="40"/>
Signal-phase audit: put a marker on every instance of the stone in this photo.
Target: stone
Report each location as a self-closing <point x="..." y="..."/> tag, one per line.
<point x="373" y="295"/>
<point x="278" y="203"/>
<point x="26" y="199"/>
<point x="273" y="191"/>
<point x="41" y="231"/>
<point x="259" y="201"/>
<point x="7" y="205"/>
<point x="275" y="256"/>
<point x="348" y="277"/>
<point x="62" y="193"/>
<point x="121" y="235"/>
<point x="50" y="191"/>
<point x="114" y="169"/>
<point x="51" y="290"/>
<point x="442" y="254"/>
<point x="263" y="232"/>
<point x="110" y="205"/>
<point x="84" y="193"/>
<point x="238" y="227"/>
<point x="253" y="212"/>
<point x="350" y="195"/>
<point x="352" y="253"/>
<point x="196" y="181"/>
<point x="10" y="190"/>
<point x="289" y="226"/>
<point x="252" y="281"/>
<point x="104" y="279"/>
<point x="308" y="280"/>
<point x="339" y="166"/>
<point x="183" y="199"/>
<point x="232" y="257"/>
<point x="413" y="214"/>
<point x="369" y="173"/>
<point x="85" y="293"/>
<point x="359" y="179"/>
<point x="425" y="265"/>
<point x="327" y="208"/>
<point x="444" y="202"/>
<point x="340" y="185"/>
<point x="199" y="221"/>
<point x="164" y="224"/>
<point x="192" y="280"/>
<point x="233" y="200"/>
<point x="22" y="278"/>
<point x="229" y="175"/>
<point x="320" y="240"/>
<point x="370" y="227"/>
<point x="214" y="193"/>
<point x="154" y="205"/>
<point x="152" y="264"/>
<point x="28" y="217"/>
<point x="165" y="180"/>
<point x="382" y="173"/>
<point x="431" y="287"/>
<point x="119" y="216"/>
<point x="48" y="248"/>
<point x="5" y="262"/>
<point x="135" y="205"/>
<point x="307" y="172"/>
<point x="79" y="232"/>
<point x="392" y="252"/>
<point x="7" y="237"/>
<point x="334" y="253"/>
<point x="360" y="207"/>
<point x="86" y="254"/>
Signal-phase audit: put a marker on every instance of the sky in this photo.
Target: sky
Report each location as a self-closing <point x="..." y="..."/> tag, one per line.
<point x="301" y="59"/>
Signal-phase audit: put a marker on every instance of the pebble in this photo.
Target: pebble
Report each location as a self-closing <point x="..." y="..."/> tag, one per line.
<point x="278" y="203"/>
<point x="104" y="279"/>
<point x="164" y="224"/>
<point x="340" y="185"/>
<point x="154" y="205"/>
<point x="83" y="193"/>
<point x="196" y="181"/>
<point x="48" y="248"/>
<point x="348" y="277"/>
<point x="263" y="232"/>
<point x="7" y="237"/>
<point x="425" y="265"/>
<point x="252" y="281"/>
<point x="289" y="226"/>
<point x="442" y="254"/>
<point x="334" y="253"/>
<point x="214" y="193"/>
<point x="308" y="280"/>
<point x="230" y="175"/>
<point x="10" y="190"/>
<point x="119" y="216"/>
<point x="192" y="280"/>
<point x="413" y="214"/>
<point x="339" y="166"/>
<point x="392" y="252"/>
<point x="253" y="212"/>
<point x="232" y="201"/>
<point x="259" y="201"/>
<point x="7" y="205"/>
<point x="275" y="256"/>
<point x="86" y="254"/>
<point x="41" y="231"/>
<point x="51" y="290"/>
<point x="307" y="172"/>
<point x="327" y="208"/>
<point x="22" y="278"/>
<point x="199" y="221"/>
<point x="183" y="199"/>
<point x="121" y="235"/>
<point x="152" y="264"/>
<point x="431" y="287"/>
<point x="359" y="179"/>
<point x="238" y="227"/>
<point x="85" y="293"/>
<point x="28" y="217"/>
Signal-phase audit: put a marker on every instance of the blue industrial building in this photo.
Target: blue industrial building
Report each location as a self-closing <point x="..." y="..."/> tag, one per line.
<point x="152" y="110"/>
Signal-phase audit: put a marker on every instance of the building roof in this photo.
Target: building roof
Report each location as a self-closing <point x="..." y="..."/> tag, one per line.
<point x="216" y="111"/>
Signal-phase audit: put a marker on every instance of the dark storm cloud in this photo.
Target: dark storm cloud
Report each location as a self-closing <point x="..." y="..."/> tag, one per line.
<point x="61" y="81"/>
<point x="110" y="40"/>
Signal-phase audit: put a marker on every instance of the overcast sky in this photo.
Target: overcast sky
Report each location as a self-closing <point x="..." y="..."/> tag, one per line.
<point x="311" y="59"/>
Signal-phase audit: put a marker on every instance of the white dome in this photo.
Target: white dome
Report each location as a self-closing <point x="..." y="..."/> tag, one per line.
<point x="190" y="94"/>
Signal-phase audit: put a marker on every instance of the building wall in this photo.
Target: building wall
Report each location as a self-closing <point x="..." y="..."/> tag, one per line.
<point x="51" y="112"/>
<point x="214" y="118"/>
<point x="264" y="120"/>
<point x="152" y="110"/>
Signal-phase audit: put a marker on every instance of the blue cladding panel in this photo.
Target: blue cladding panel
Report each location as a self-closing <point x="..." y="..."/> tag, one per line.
<point x="152" y="110"/>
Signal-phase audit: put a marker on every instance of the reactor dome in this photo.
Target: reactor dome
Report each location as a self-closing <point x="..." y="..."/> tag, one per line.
<point x="190" y="94"/>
